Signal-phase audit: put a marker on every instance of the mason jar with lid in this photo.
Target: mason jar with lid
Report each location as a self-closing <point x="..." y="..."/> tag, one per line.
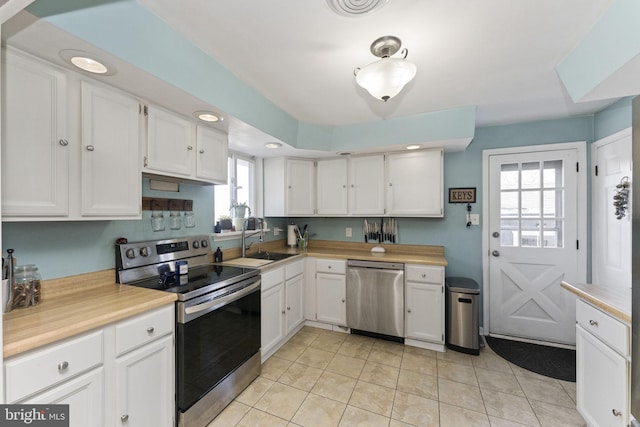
<point x="26" y="286"/>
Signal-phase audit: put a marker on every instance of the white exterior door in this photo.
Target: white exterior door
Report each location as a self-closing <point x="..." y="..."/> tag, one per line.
<point x="611" y="237"/>
<point x="533" y="244"/>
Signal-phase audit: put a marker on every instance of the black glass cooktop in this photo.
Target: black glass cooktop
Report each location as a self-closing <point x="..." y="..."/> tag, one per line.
<point x="214" y="276"/>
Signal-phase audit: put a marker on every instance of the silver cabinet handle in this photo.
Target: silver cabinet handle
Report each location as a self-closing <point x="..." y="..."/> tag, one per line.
<point x="284" y="312"/>
<point x="409" y="310"/>
<point x="189" y="147"/>
<point x="201" y="151"/>
<point x="495" y="253"/>
<point x="343" y="300"/>
<point x="329" y="267"/>
<point x="616" y="413"/>
<point x="124" y="418"/>
<point x="63" y="365"/>
<point x="593" y="323"/>
<point x="424" y="275"/>
<point x="90" y="148"/>
<point x="288" y="308"/>
<point x="150" y="329"/>
<point x="63" y="142"/>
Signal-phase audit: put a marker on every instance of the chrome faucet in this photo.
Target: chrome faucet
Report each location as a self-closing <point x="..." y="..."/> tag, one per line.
<point x="259" y="225"/>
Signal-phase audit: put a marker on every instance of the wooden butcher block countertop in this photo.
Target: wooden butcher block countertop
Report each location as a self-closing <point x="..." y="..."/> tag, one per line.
<point x="73" y="305"/>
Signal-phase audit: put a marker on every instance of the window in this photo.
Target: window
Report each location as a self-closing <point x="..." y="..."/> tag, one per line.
<point x="240" y="187"/>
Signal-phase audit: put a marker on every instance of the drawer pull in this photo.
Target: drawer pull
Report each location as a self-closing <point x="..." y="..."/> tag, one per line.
<point x="63" y="366"/>
<point x="150" y="329"/>
<point x="593" y="323"/>
<point x="409" y="310"/>
<point x="343" y="300"/>
<point x="616" y="413"/>
<point x="124" y="418"/>
<point x="424" y="275"/>
<point x="284" y="312"/>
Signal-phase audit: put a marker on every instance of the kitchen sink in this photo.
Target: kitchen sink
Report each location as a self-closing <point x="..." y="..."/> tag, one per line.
<point x="272" y="256"/>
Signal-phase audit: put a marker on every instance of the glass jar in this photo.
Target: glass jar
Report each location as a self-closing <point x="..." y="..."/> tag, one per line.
<point x="189" y="219"/>
<point x="157" y="221"/>
<point x="26" y="286"/>
<point x="175" y="221"/>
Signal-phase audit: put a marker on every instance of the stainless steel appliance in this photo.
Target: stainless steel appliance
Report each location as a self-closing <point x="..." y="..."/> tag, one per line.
<point x="635" y="267"/>
<point x="217" y="320"/>
<point x="375" y="298"/>
<point x="461" y="308"/>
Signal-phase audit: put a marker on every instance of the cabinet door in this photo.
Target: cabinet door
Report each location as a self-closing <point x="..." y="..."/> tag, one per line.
<point x="425" y="311"/>
<point x="145" y="385"/>
<point x="415" y="183"/>
<point x="332" y="187"/>
<point x="111" y="180"/>
<point x="84" y="395"/>
<point x="601" y="382"/>
<point x="35" y="151"/>
<point x="300" y="187"/>
<point x="272" y="317"/>
<point x="331" y="298"/>
<point x="294" y="302"/>
<point x="366" y="185"/>
<point x="212" y="156"/>
<point x="170" y="143"/>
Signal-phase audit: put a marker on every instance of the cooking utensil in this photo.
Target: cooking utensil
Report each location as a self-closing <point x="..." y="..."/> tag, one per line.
<point x="9" y="280"/>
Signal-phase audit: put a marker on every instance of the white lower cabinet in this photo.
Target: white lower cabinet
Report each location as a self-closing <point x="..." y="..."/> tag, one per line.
<point x="145" y="384"/>
<point x="331" y="291"/>
<point x="424" y="303"/>
<point x="104" y="383"/>
<point x="282" y="305"/>
<point x="602" y="367"/>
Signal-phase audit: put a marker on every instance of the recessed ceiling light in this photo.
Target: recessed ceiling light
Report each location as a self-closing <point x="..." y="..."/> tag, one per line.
<point x="87" y="62"/>
<point x="412" y="147"/>
<point x="208" y="116"/>
<point x="273" y="145"/>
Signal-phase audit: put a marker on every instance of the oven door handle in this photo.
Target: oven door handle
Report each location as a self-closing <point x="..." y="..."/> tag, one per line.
<point x="197" y="310"/>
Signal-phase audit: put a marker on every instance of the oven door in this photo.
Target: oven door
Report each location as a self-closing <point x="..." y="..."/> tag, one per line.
<point x="216" y="333"/>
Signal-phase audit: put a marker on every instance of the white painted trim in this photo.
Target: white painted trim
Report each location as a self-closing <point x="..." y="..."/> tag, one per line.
<point x="425" y="344"/>
<point x="581" y="155"/>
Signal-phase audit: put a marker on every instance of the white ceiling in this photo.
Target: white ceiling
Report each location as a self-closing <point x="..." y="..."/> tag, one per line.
<point x="498" y="55"/>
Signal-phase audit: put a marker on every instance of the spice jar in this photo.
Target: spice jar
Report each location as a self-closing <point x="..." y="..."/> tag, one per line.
<point x="26" y="286"/>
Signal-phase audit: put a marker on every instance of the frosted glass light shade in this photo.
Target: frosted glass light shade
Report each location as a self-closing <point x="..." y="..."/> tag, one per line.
<point x="385" y="78"/>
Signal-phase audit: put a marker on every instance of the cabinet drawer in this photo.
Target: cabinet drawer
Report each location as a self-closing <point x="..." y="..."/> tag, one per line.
<point x="335" y="266"/>
<point x="424" y="273"/>
<point x="609" y="330"/>
<point x="294" y="269"/>
<point x="143" y="329"/>
<point x="271" y="278"/>
<point x="37" y="370"/>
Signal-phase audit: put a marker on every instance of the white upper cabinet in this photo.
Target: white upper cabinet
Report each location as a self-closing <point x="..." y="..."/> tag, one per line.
<point x="289" y="187"/>
<point x="415" y="183"/>
<point x="170" y="143"/>
<point x="211" y="158"/>
<point x="110" y="181"/>
<point x="332" y="187"/>
<point x="176" y="147"/>
<point x="366" y="185"/>
<point x="35" y="143"/>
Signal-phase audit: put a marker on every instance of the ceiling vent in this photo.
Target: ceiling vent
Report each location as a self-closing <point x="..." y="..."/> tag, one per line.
<point x="355" y="8"/>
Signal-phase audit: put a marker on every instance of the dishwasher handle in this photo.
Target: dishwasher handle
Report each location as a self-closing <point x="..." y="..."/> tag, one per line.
<point x="381" y="265"/>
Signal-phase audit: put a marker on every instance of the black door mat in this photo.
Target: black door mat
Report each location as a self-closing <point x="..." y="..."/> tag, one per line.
<point x="558" y="363"/>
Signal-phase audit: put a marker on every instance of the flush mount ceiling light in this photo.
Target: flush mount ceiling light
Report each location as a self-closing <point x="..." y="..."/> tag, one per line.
<point x="385" y="78"/>
<point x="412" y="147"/>
<point x="273" y="145"/>
<point x="208" y="116"/>
<point x="88" y="62"/>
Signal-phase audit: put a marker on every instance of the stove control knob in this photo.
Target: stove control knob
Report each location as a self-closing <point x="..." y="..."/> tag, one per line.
<point x="196" y="244"/>
<point x="130" y="253"/>
<point x="204" y="243"/>
<point x="144" y="251"/>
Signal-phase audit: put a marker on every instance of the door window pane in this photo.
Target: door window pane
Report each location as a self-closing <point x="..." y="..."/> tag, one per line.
<point x="509" y="176"/>
<point x="509" y="232"/>
<point x="530" y="204"/>
<point x="509" y="204"/>
<point x="531" y="175"/>
<point x="552" y="174"/>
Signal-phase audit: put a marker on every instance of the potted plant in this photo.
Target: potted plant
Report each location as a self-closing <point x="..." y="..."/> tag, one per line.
<point x="225" y="222"/>
<point x="238" y="210"/>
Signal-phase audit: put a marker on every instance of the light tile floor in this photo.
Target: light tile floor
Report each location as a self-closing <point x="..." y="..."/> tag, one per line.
<point x="322" y="378"/>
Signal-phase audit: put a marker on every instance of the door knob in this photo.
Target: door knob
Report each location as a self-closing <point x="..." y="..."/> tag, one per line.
<point x="495" y="253"/>
<point x="495" y="234"/>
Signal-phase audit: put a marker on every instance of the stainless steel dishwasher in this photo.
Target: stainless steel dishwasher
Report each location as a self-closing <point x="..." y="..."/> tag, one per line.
<point x="375" y="297"/>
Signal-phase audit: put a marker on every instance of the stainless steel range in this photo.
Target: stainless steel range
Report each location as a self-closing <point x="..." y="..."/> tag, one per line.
<point x="217" y="320"/>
